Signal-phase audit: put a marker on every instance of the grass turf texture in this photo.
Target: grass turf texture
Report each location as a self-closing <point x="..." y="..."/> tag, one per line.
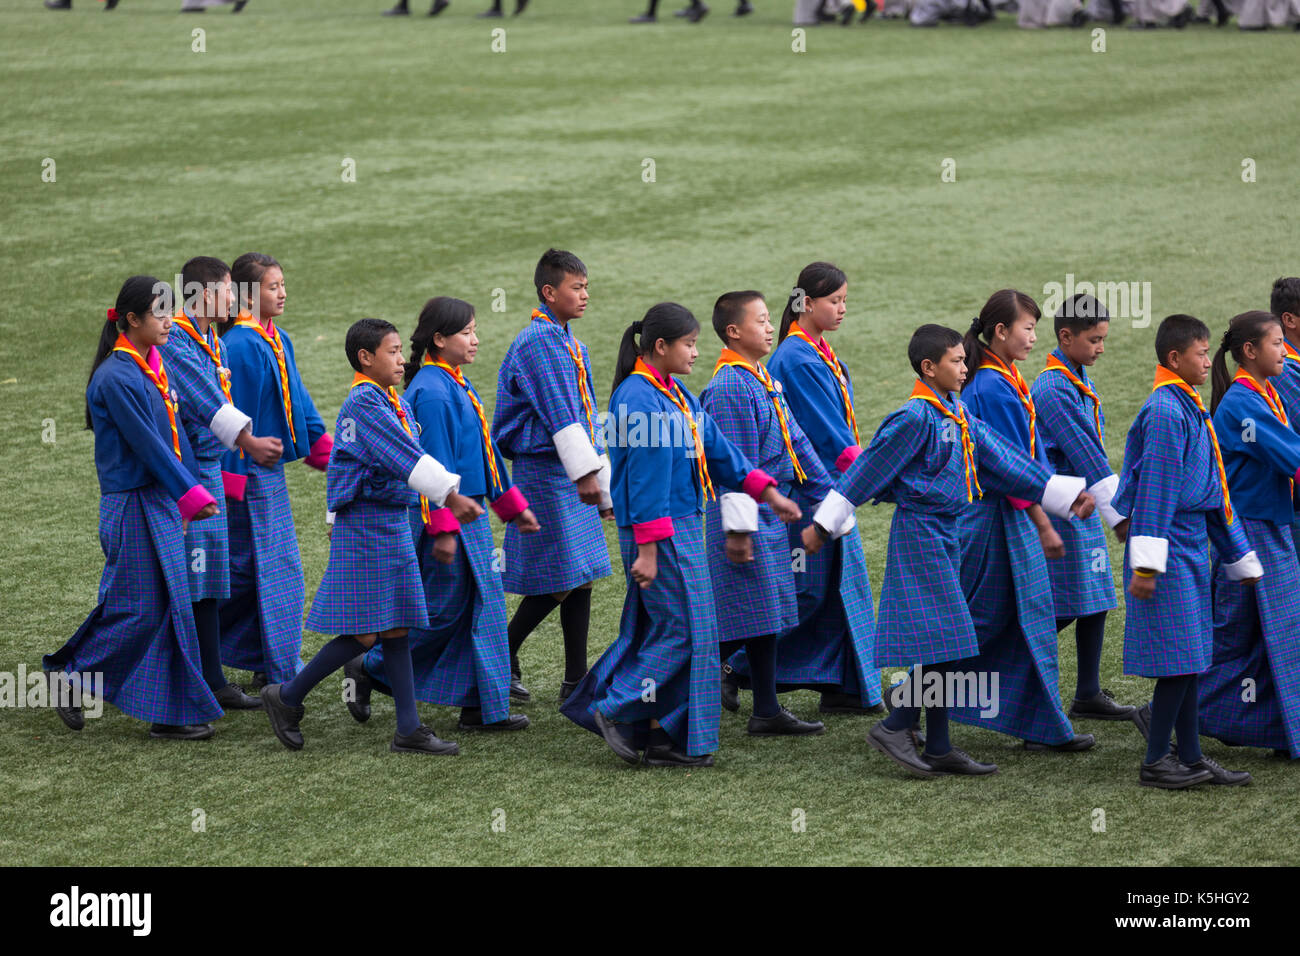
<point x="1123" y="165"/>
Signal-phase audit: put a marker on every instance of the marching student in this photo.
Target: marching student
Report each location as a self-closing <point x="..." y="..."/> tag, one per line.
<point x="141" y="635"/>
<point x="546" y="422"/>
<point x="1071" y="426"/>
<point x="830" y="649"/>
<point x="1250" y="695"/>
<point x="1004" y="540"/>
<point x="1285" y="304"/>
<point x="462" y="659"/>
<point x="929" y="457"/>
<point x="261" y="621"/>
<point x="755" y="599"/>
<point x="1175" y="494"/>
<point x="195" y="357"/>
<point x="656" y="687"/>
<point x="372" y="589"/>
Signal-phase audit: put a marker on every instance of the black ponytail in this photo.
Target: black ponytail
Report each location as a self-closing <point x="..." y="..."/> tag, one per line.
<point x="136" y="295"/>
<point x="1002" y="308"/>
<point x="816" y="280"/>
<point x="667" y="320"/>
<point x="1249" y="327"/>
<point x="441" y="315"/>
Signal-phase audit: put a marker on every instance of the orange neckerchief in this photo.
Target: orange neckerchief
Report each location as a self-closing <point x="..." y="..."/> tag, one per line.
<point x="1055" y="363"/>
<point x="159" y="379"/>
<point x="273" y="339"/>
<point x="390" y="393"/>
<point x="581" y="369"/>
<point x="1270" y="396"/>
<point x="675" y="396"/>
<point x="459" y="378"/>
<point x="213" y="348"/>
<point x="926" y="394"/>
<point x="731" y="358"/>
<point x="1166" y="377"/>
<point x="1291" y="353"/>
<point x="828" y="356"/>
<point x="1012" y="375"/>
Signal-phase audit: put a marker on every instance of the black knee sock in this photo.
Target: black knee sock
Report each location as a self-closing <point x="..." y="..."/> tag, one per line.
<point x="1088" y="634"/>
<point x="208" y="622"/>
<point x="575" y="621"/>
<point x="762" y="667"/>
<point x="1166" y="707"/>
<point x="650" y="11"/>
<point x="532" y="610"/>
<point x="1186" y="724"/>
<point x="727" y="648"/>
<point x="327" y="660"/>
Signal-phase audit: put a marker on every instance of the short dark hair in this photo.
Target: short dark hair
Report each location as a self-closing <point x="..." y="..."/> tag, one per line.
<point x="366" y="334"/>
<point x="1079" y="312"/>
<point x="1286" y="296"/>
<point x="1177" y="333"/>
<point x="199" y="273"/>
<point x="931" y="342"/>
<point x="729" y="308"/>
<point x="553" y="266"/>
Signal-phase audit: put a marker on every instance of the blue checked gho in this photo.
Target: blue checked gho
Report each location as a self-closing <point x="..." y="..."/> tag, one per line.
<point x="664" y="663"/>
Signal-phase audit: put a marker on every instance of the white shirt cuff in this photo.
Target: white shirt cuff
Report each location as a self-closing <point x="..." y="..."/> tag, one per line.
<point x="1247" y="567"/>
<point x="329" y="517"/>
<point x="603" y="477"/>
<point x="1060" y="493"/>
<point x="1104" y="491"/>
<point x="739" y="513"/>
<point x="835" y="513"/>
<point x="576" y="452"/>
<point x="227" y="423"/>
<point x="1144" y="552"/>
<point x="430" y="479"/>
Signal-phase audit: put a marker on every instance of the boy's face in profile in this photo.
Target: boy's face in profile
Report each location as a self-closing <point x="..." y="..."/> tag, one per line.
<point x="1192" y="364"/>
<point x="1086" y="345"/>
<point x="385" y="363"/>
<point x="949" y="373"/>
<point x="568" y="300"/>
<point x="753" y="337"/>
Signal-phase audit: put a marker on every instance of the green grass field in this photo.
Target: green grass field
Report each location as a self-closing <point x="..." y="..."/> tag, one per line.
<point x="1117" y="166"/>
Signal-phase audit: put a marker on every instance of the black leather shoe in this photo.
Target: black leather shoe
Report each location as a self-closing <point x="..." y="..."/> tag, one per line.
<point x="520" y="7"/>
<point x="1142" y="717"/>
<point x="438" y="7"/>
<point x="58" y="4"/>
<point x="666" y="755"/>
<point x="1220" y="776"/>
<point x="182" y="732"/>
<point x="567" y="687"/>
<point x="1168" y="774"/>
<point x="397" y="11"/>
<point x="643" y="18"/>
<point x="61" y="690"/>
<point x="355" y="670"/>
<point x="743" y="9"/>
<point x="897" y="746"/>
<point x="492" y="13"/>
<point x="423" y="741"/>
<point x="518" y="691"/>
<point x="232" y="697"/>
<point x="617" y="742"/>
<point x="257" y="683"/>
<point x="471" y="718"/>
<point x="846" y="704"/>
<point x="1075" y="743"/>
<point x="730" y="691"/>
<point x="958" y="762"/>
<point x="239" y="5"/>
<point x="695" y="15"/>
<point x="284" y="719"/>
<point x="783" y="724"/>
<point x="1101" y="706"/>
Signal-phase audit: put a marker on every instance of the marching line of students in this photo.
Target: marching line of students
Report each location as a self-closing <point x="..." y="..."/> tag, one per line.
<point x="735" y="518"/>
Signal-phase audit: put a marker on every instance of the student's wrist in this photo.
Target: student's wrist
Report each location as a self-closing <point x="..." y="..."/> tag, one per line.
<point x="1144" y="572"/>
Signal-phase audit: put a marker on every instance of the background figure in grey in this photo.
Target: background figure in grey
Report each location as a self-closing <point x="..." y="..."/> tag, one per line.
<point x="1116" y="11"/>
<point x="1262" y="14"/>
<point x="1051" y="13"/>
<point x="928" y="13"/>
<point x="198" y="6"/>
<point x="1221" y="10"/>
<point x="1154" y="13"/>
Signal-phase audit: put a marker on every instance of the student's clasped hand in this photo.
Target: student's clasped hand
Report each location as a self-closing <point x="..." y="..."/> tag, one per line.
<point x="444" y="547"/>
<point x="812" y="541"/>
<point x="465" y="509"/>
<point x="785" y="509"/>
<point x="1083" y="505"/>
<point x="265" y="451"/>
<point x="740" y="547"/>
<point x="1142" y="588"/>
<point x="589" y="489"/>
<point x="527" y="522"/>
<point x="207" y="511"/>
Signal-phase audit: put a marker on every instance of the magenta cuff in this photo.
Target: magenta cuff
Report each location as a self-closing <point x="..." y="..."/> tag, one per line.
<point x="441" y="520"/>
<point x="319" y="457"/>
<point x="1020" y="504"/>
<point x="757" y="482"/>
<point x="847" y="457"/>
<point x="656" y="530"/>
<point x="194" y="501"/>
<point x="234" y="484"/>
<point x="511" y="504"/>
